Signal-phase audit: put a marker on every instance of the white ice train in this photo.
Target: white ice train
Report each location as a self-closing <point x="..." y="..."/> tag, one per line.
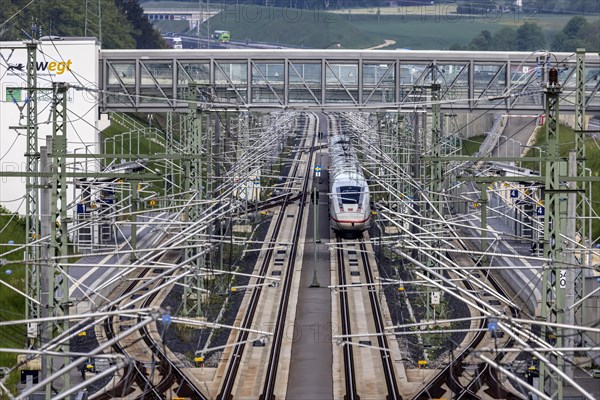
<point x="349" y="207"/>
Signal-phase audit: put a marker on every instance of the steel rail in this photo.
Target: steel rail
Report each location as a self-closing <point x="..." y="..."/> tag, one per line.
<point x="242" y="339"/>
<point x="386" y="359"/>
<point x="273" y="364"/>
<point x="450" y="373"/>
<point x="349" y="370"/>
<point x="170" y="371"/>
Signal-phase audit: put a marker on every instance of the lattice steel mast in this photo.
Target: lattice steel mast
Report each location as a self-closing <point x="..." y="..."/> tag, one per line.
<point x="32" y="217"/>
<point x="58" y="297"/>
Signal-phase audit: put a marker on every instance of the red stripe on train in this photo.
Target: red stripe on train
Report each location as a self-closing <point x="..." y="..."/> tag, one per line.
<point x="349" y="222"/>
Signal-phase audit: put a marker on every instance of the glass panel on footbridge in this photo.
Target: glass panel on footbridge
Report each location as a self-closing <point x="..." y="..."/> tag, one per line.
<point x="454" y="79"/>
<point x="341" y="83"/>
<point x="268" y="83"/>
<point x="488" y="80"/>
<point x="411" y="76"/>
<point x="592" y="86"/>
<point x="527" y="84"/>
<point x="121" y="83"/>
<point x="304" y="84"/>
<point x="156" y="82"/>
<point x="231" y="82"/>
<point x="379" y="83"/>
<point x="568" y="79"/>
<point x="198" y="73"/>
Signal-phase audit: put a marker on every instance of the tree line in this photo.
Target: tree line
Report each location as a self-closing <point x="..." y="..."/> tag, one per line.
<point x="463" y="6"/>
<point x="308" y="4"/>
<point x="123" y="24"/>
<point x="577" y="33"/>
<point x="563" y="6"/>
<point x="529" y="6"/>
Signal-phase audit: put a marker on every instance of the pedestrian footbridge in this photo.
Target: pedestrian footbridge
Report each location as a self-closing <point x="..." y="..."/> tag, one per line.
<point x="337" y="80"/>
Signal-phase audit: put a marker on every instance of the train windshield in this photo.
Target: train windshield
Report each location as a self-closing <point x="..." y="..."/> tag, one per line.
<point x="350" y="194"/>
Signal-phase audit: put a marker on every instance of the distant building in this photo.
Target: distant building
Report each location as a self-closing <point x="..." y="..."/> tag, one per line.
<point x="193" y="17"/>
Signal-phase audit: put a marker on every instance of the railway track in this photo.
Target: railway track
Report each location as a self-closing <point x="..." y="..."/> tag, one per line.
<point x="382" y="342"/>
<point x="272" y="367"/>
<point x="152" y="372"/>
<point x="349" y="369"/>
<point x="231" y="373"/>
<point x="351" y="375"/>
<point x="165" y="375"/>
<point x="174" y="380"/>
<point x="452" y="374"/>
<point x="242" y="338"/>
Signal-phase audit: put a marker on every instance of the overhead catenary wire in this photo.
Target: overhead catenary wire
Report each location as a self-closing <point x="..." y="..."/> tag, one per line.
<point x="228" y="187"/>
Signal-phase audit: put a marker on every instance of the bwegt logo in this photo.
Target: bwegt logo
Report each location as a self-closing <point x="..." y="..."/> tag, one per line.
<point x="58" y="68"/>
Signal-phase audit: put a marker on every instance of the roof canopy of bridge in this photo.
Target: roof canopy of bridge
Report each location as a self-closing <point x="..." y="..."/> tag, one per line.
<point x="160" y="80"/>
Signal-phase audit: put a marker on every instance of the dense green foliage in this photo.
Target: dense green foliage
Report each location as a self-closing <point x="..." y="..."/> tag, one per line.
<point x="577" y="33"/>
<point x="463" y="6"/>
<point x="528" y="37"/>
<point x="481" y="7"/>
<point x="145" y="35"/>
<point x="123" y="24"/>
<point x="529" y="6"/>
<point x="562" y="6"/>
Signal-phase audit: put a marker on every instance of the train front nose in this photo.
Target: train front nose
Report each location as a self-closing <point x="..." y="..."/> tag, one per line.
<point x="354" y="221"/>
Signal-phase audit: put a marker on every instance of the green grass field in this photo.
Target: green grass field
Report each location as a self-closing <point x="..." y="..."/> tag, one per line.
<point x="12" y="306"/>
<point x="472" y="144"/>
<point x="117" y="138"/>
<point x="440" y="31"/>
<point x="429" y="27"/>
<point x="307" y="28"/>
<point x="413" y="30"/>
